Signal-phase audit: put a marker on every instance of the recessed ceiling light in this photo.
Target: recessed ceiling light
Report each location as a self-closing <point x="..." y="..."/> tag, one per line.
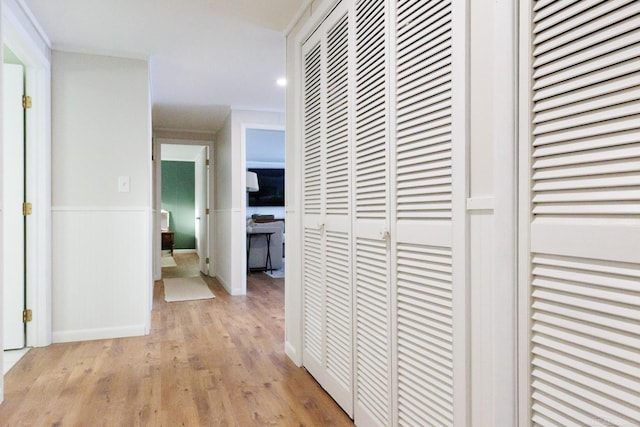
<point x="281" y="82"/>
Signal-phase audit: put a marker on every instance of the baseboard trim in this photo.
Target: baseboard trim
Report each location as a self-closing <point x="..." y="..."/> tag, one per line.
<point x="290" y="351"/>
<point x="98" y="333"/>
<point x="224" y="284"/>
<point x="185" y="251"/>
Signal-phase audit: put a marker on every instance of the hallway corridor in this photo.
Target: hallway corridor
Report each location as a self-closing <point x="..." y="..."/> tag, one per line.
<point x="213" y="362"/>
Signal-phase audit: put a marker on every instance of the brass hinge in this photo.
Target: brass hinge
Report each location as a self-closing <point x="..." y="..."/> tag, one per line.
<point x="207" y="211"/>
<point x="206" y="260"/>
<point x="27" y="209"/>
<point x="27" y="316"/>
<point x="207" y="162"/>
<point x="26" y="102"/>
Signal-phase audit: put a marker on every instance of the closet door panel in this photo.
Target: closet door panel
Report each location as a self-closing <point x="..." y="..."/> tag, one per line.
<point x="327" y="272"/>
<point x="313" y="239"/>
<point x="371" y="216"/>
<point x="584" y="213"/>
<point x="338" y="363"/>
<point x="423" y="201"/>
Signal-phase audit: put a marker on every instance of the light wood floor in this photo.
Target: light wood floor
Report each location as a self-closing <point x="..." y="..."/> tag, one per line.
<point x="213" y="362"/>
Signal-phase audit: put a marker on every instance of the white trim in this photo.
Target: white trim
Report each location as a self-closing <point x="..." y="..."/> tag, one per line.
<point x="480" y="203"/>
<point x="160" y="140"/>
<point x="504" y="322"/>
<point x="98" y="334"/>
<point x="187" y="134"/>
<point x="524" y="215"/>
<point x="100" y="209"/>
<point x="22" y="35"/>
<point x="322" y="11"/>
<point x="27" y="11"/>
<point x="392" y="210"/>
<point x="1" y="216"/>
<point x="244" y="126"/>
<point x="460" y="218"/>
<point x="297" y="17"/>
<point x="185" y="251"/>
<point x="117" y="53"/>
<point x="290" y="350"/>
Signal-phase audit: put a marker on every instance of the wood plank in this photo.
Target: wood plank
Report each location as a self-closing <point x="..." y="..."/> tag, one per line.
<point x="210" y="362"/>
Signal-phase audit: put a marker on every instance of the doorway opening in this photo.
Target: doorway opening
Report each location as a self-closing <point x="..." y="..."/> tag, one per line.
<point x="264" y="148"/>
<point x="14" y="216"/>
<point x="27" y="244"/>
<point x="184" y="206"/>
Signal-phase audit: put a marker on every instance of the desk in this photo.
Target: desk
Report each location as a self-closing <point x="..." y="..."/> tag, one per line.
<point x="168" y="240"/>
<point x="267" y="261"/>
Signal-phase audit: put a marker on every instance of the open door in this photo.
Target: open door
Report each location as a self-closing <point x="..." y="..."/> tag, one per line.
<point x="13" y="239"/>
<point x="202" y="209"/>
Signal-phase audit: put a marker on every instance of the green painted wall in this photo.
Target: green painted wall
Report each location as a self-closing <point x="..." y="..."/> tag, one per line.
<point x="179" y="198"/>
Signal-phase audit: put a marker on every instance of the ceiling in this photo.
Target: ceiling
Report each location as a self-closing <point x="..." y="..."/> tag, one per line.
<point x="206" y="56"/>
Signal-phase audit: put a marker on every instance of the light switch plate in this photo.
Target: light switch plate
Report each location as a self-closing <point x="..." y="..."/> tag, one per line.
<point x="123" y="184"/>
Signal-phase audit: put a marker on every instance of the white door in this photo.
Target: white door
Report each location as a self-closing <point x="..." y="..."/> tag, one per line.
<point x="581" y="209"/>
<point x="327" y="288"/>
<point x="202" y="204"/>
<point x="13" y="220"/>
<point x="422" y="193"/>
<point x="371" y="216"/>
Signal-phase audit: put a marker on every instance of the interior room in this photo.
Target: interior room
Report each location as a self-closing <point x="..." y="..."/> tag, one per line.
<point x="455" y="210"/>
<point x="265" y="206"/>
<point x="183" y="201"/>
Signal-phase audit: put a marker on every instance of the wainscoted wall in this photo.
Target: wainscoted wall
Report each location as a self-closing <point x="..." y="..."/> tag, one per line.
<point x="101" y="233"/>
<point x="97" y="258"/>
<point x="223" y="255"/>
<point x="230" y="196"/>
<point x="230" y="268"/>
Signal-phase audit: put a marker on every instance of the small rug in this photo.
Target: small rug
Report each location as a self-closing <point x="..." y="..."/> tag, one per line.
<point x="168" y="261"/>
<point x="186" y="289"/>
<point x="275" y="274"/>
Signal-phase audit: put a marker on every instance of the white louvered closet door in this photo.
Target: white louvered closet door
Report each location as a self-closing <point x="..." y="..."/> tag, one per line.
<point x="371" y="217"/>
<point x="583" y="158"/>
<point x="313" y="258"/>
<point x="327" y="221"/>
<point x="339" y="282"/>
<point x="423" y="232"/>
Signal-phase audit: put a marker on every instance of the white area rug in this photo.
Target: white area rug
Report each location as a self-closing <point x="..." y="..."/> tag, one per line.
<point x="275" y="274"/>
<point x="168" y="261"/>
<point x="186" y="289"/>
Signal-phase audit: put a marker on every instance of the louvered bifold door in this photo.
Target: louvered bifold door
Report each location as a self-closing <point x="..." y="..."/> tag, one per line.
<point x="583" y="154"/>
<point x="372" y="296"/>
<point x="338" y="361"/>
<point x="423" y="233"/>
<point x="313" y="257"/>
<point x="328" y="290"/>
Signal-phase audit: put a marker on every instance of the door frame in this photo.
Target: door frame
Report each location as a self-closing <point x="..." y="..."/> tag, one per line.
<point x="157" y="200"/>
<point x="244" y="127"/>
<point x="37" y="64"/>
<point x="13" y="196"/>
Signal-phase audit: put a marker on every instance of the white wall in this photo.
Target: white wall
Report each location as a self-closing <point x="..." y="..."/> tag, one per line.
<point x="230" y="195"/>
<point x="223" y="172"/>
<point x="101" y="237"/>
